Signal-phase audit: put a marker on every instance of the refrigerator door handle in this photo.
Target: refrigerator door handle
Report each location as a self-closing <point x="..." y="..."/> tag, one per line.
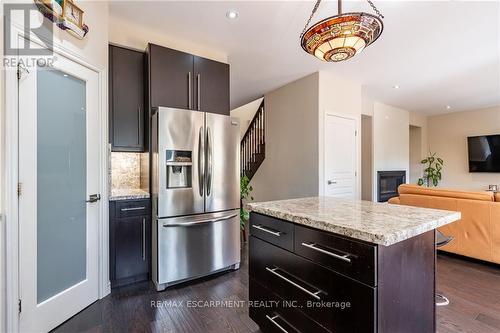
<point x="201" y="162"/>
<point x="210" y="220"/>
<point x="209" y="161"/>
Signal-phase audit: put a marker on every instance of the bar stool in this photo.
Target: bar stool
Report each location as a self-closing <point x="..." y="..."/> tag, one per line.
<point x="442" y="240"/>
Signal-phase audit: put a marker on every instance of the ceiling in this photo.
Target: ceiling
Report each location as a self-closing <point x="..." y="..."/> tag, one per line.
<point x="438" y="52"/>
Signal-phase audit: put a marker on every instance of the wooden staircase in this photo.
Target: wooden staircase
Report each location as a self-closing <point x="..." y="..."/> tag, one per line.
<point x="253" y="144"/>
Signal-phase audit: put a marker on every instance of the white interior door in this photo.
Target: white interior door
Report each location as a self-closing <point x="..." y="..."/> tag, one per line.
<point x="340" y="157"/>
<point x="58" y="170"/>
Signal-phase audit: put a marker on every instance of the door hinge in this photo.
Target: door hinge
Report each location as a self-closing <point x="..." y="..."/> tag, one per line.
<point x="21" y="70"/>
<point x="19" y="189"/>
<point x="19" y="304"/>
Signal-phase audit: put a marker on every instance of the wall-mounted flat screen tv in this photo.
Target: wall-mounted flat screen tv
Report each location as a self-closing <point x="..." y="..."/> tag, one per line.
<point x="484" y="153"/>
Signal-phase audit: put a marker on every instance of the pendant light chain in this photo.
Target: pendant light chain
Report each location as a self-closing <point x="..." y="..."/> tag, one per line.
<point x="310" y="18"/>
<point x="375" y="9"/>
<point x="379" y="14"/>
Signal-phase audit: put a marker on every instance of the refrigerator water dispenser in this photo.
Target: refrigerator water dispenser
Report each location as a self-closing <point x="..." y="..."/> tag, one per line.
<point x="179" y="167"/>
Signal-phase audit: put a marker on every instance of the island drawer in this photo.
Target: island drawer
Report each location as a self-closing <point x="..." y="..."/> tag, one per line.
<point x="272" y="230"/>
<point x="348" y="257"/>
<point x="275" y="315"/>
<point x="331" y="299"/>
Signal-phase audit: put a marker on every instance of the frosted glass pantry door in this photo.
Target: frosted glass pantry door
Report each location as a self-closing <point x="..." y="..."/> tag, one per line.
<point x="58" y="171"/>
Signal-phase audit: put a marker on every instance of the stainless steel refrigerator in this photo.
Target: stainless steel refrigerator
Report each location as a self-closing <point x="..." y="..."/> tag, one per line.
<point x="195" y="187"/>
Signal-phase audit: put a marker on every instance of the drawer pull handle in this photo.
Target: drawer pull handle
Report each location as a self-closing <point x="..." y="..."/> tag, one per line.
<point x="132" y="209"/>
<point x="313" y="294"/>
<point x="312" y="246"/>
<point x="275" y="233"/>
<point x="273" y="320"/>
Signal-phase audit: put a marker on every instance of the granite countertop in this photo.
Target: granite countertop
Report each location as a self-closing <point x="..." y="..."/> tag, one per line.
<point x="379" y="223"/>
<point x="128" y="194"/>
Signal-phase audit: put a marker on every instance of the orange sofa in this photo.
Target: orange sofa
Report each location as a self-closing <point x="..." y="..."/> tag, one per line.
<point x="477" y="233"/>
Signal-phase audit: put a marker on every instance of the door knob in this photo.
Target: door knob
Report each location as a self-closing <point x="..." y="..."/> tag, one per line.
<point x="331" y="182"/>
<point x="94" y="198"/>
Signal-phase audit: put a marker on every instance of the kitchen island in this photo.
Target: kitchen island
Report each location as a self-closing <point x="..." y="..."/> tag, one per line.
<point x="322" y="264"/>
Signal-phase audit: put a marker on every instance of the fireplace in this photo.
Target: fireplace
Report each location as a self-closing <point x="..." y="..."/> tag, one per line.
<point x="388" y="182"/>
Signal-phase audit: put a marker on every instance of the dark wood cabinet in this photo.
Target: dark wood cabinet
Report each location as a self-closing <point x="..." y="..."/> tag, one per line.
<point x="126" y="100"/>
<point x="130" y="241"/>
<point x="279" y="315"/>
<point x="321" y="281"/>
<point x="182" y="80"/>
<point x="315" y="289"/>
<point x="171" y="77"/>
<point x="212" y="86"/>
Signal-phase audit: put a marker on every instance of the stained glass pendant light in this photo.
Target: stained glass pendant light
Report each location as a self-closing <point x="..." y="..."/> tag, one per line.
<point x="342" y="36"/>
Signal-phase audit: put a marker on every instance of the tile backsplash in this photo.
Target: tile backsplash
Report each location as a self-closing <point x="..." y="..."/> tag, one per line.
<point x="129" y="171"/>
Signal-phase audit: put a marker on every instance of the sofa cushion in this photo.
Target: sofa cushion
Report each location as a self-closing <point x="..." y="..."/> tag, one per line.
<point x="441" y="192"/>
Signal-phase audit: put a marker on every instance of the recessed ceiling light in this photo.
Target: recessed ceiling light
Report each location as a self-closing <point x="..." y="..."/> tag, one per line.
<point x="448" y="107"/>
<point x="395" y="86"/>
<point x="232" y="14"/>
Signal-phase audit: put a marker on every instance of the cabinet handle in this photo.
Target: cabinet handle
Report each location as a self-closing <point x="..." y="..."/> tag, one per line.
<point x="275" y="233"/>
<point x="313" y="294"/>
<point x="312" y="246"/>
<point x="132" y="209"/>
<point x="139" y="127"/>
<point x="273" y="320"/>
<point x="198" y="82"/>
<point x="143" y="239"/>
<point x="189" y="91"/>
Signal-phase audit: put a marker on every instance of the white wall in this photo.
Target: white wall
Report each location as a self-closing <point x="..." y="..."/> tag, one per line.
<point x="420" y="142"/>
<point x="366" y="157"/>
<point x="290" y="169"/>
<point x="420" y="120"/>
<point x="135" y="36"/>
<point x="340" y="96"/>
<point x="245" y="114"/>
<point x="416" y="169"/>
<point x="2" y="189"/>
<point x="448" y="138"/>
<point x="391" y="140"/>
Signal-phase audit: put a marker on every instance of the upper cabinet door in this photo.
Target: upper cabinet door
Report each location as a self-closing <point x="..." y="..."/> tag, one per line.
<point x="211" y="86"/>
<point x="126" y="88"/>
<point x="171" y="77"/>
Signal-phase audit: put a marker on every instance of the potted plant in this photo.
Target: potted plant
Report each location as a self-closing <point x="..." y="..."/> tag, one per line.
<point x="432" y="173"/>
<point x="245" y="195"/>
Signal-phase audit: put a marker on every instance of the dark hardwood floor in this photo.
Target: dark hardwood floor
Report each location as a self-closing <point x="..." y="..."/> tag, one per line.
<point x="472" y="287"/>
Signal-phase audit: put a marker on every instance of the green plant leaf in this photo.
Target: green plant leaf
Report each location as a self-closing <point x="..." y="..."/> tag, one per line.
<point x="423" y="161"/>
<point x="420" y="182"/>
<point x="440" y="160"/>
<point x="434" y="182"/>
<point x="431" y="159"/>
<point x="438" y="167"/>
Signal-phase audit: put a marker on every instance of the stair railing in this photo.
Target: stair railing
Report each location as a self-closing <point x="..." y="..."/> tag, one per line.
<point x="253" y="144"/>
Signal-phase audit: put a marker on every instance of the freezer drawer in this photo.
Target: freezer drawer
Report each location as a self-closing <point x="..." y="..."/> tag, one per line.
<point x="193" y="246"/>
